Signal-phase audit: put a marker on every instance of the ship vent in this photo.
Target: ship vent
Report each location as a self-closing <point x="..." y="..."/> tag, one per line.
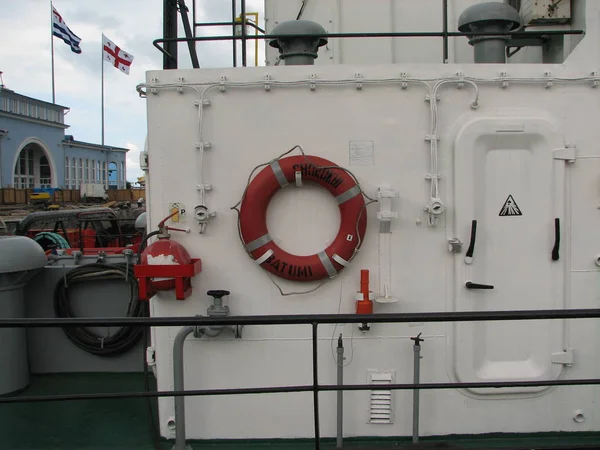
<point x="381" y="401"/>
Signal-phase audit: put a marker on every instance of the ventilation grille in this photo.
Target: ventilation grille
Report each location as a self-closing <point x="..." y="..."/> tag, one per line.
<point x="381" y="410"/>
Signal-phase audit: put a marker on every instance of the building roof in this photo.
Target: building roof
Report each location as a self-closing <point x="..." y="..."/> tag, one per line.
<point x="4" y="90"/>
<point x="70" y="142"/>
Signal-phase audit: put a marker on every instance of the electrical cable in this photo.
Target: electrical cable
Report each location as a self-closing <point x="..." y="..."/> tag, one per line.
<point x="304" y="2"/>
<point x="333" y="339"/>
<point x="112" y="345"/>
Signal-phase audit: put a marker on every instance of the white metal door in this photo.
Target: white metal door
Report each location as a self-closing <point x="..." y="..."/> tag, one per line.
<point x="508" y="192"/>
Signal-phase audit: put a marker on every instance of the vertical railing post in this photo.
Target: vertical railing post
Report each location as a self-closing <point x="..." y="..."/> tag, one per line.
<point x="233" y="17"/>
<point x="243" y="33"/>
<point x="315" y="384"/>
<point x="445" y="30"/>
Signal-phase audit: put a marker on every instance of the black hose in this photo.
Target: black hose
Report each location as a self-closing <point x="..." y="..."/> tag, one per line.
<point x="126" y="337"/>
<point x="143" y="244"/>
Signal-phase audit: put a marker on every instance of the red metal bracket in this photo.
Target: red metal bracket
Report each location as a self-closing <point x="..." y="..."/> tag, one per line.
<point x="182" y="274"/>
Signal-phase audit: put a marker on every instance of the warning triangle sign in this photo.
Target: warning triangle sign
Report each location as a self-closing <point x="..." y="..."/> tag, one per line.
<point x="510" y="208"/>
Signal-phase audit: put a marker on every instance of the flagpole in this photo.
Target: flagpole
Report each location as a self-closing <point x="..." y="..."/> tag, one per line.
<point x="102" y="71"/>
<point x="52" y="48"/>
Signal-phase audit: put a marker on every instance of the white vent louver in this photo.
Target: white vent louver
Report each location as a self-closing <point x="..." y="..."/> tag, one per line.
<point x="381" y="401"/>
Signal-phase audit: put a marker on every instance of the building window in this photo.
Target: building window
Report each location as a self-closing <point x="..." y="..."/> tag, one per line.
<point x="24" y="176"/>
<point x="67" y="172"/>
<point x="45" y="174"/>
<point x="73" y="173"/>
<point x="80" y="170"/>
<point x="86" y="171"/>
<point x="122" y="175"/>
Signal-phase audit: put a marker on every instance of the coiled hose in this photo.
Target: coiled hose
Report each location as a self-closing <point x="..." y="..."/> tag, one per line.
<point x="126" y="337"/>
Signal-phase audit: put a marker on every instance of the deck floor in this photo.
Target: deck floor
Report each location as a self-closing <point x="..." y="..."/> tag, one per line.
<point x="124" y="424"/>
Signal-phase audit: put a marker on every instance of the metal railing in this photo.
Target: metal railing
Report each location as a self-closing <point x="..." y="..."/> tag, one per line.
<point x="314" y="320"/>
<point x="170" y="59"/>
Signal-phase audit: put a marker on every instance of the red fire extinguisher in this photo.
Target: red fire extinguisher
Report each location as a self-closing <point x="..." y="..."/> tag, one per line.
<point x="165" y="264"/>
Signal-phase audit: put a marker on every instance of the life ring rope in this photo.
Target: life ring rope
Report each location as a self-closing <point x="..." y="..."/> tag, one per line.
<point x="326" y="262"/>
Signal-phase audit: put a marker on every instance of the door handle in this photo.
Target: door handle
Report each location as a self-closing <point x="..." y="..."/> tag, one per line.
<point x="470" y="285"/>
<point x="471" y="249"/>
<point x="555" y="249"/>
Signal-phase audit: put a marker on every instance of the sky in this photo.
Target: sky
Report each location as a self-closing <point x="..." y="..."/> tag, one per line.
<point x="130" y="24"/>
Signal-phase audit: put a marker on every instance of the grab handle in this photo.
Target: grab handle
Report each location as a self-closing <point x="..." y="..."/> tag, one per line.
<point x="470" y="285"/>
<point x="555" y="253"/>
<point x="471" y="249"/>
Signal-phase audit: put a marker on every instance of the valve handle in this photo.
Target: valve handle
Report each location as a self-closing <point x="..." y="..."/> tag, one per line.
<point x="218" y="293"/>
<point x="470" y="285"/>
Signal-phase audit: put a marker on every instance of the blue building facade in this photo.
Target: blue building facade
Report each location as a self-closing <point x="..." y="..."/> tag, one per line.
<point x="35" y="152"/>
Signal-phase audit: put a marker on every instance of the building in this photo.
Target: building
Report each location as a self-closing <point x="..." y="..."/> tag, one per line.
<point x="35" y="152"/>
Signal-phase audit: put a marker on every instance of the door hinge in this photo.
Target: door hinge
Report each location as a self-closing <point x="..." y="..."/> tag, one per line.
<point x="567" y="154"/>
<point x="565" y="357"/>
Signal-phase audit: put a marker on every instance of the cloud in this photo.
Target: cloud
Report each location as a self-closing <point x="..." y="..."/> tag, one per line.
<point x="132" y="25"/>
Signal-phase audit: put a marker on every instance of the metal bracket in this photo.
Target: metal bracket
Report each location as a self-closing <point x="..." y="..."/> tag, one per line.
<point x="268" y="79"/>
<point x="504" y="76"/>
<point x="568" y="154"/>
<point x="144" y="160"/>
<point x="454" y="245"/>
<point x="151" y="356"/>
<point x="549" y="84"/>
<point x="153" y="89"/>
<point x="431" y="137"/>
<point x="180" y="87"/>
<point x="428" y="98"/>
<point x="205" y="102"/>
<point x="222" y="83"/>
<point x="596" y="82"/>
<point x="359" y="84"/>
<point x="204" y="187"/>
<point x="404" y="77"/>
<point x="313" y="79"/>
<point x="461" y="79"/>
<point x="566" y="357"/>
<point x="203" y="145"/>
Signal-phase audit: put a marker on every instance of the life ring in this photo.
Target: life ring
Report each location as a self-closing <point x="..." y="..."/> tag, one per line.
<point x="253" y="218"/>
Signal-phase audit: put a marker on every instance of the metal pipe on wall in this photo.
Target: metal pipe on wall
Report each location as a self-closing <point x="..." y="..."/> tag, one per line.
<point x="178" y="385"/>
<point x="416" y="380"/>
<point x="340" y="394"/>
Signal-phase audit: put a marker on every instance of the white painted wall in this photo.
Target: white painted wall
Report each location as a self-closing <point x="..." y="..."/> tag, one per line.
<point x="248" y="126"/>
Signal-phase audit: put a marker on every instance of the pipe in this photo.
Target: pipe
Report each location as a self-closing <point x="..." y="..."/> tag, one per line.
<point x="178" y="385"/>
<point x="490" y="50"/>
<point x="340" y="393"/>
<point x="243" y="15"/>
<point x="416" y="377"/>
<point x="234" y="41"/>
<point x="445" y="30"/>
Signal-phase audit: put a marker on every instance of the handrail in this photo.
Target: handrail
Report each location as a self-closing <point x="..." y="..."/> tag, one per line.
<point x="307" y="319"/>
<point x="412" y="34"/>
<point x="314" y="320"/>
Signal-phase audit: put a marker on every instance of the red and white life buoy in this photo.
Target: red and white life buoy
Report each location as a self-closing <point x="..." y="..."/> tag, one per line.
<point x="253" y="218"/>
